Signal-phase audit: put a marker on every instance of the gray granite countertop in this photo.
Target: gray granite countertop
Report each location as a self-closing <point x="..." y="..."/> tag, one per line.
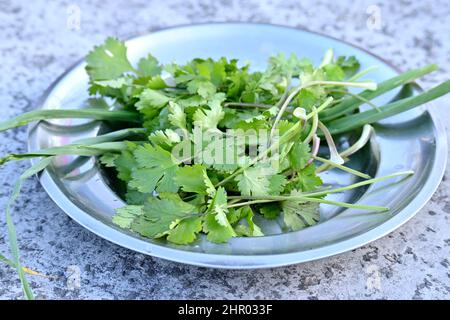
<point x="40" y="39"/>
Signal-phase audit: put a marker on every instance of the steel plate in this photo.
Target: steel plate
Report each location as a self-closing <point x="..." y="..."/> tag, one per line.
<point x="413" y="140"/>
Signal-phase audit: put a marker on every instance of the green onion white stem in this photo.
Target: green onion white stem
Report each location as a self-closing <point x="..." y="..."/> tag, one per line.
<point x="334" y="154"/>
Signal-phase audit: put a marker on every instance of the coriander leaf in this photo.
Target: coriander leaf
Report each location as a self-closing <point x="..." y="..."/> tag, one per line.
<point x="350" y="65"/>
<point x="185" y="231"/>
<point x="148" y="156"/>
<point x="300" y="214"/>
<point x="155" y="119"/>
<point x="149" y="66"/>
<point x="108" y="159"/>
<point x="215" y="231"/>
<point x="277" y="182"/>
<point x="234" y="215"/>
<point x="159" y="214"/>
<point x="250" y="229"/>
<point x="203" y="87"/>
<point x="108" y="61"/>
<point x="144" y="179"/>
<point x="334" y="72"/>
<point x="192" y="179"/>
<point x="218" y="206"/>
<point x="177" y="117"/>
<point x="165" y="138"/>
<point x="134" y="197"/>
<point x="151" y="99"/>
<point x="167" y="182"/>
<point x="125" y="163"/>
<point x="236" y="86"/>
<point x="125" y="216"/>
<point x="209" y="119"/>
<point x="114" y="83"/>
<point x="254" y="181"/>
<point x="278" y="64"/>
<point x="307" y="98"/>
<point x="255" y="122"/>
<point x="210" y="189"/>
<point x="307" y="179"/>
<point x="299" y="155"/>
<point x="270" y="210"/>
<point x="284" y="126"/>
<point x="213" y="70"/>
<point x="156" y="83"/>
<point x="155" y="166"/>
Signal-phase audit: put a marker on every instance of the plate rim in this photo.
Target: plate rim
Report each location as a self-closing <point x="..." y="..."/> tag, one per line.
<point x="257" y="261"/>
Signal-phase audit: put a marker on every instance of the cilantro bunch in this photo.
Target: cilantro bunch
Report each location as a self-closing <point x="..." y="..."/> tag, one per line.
<point x="270" y="133"/>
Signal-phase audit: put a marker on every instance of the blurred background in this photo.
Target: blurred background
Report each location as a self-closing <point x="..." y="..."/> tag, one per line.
<point x="40" y="39"/>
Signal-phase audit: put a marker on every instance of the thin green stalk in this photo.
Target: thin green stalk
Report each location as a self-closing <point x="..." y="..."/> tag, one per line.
<point x="362" y="73"/>
<point x="283" y="139"/>
<point x="96" y="114"/>
<point x="112" y="136"/>
<point x="334" y="154"/>
<point x="352" y="103"/>
<point x="359" y="97"/>
<point x="285" y="93"/>
<point x="343" y="168"/>
<point x="257" y="199"/>
<point x="314" y="125"/>
<point x="5" y="260"/>
<point x="247" y="203"/>
<point x="322" y="107"/>
<point x="359" y="184"/>
<point x="25" y="269"/>
<point x="354" y="121"/>
<point x="75" y="149"/>
<point x="347" y="205"/>
<point x="313" y="196"/>
<point x="249" y="105"/>
<point x="364" y="84"/>
<point x="369" y="85"/>
<point x="14" y="247"/>
<point x="327" y="58"/>
<point x="361" y="142"/>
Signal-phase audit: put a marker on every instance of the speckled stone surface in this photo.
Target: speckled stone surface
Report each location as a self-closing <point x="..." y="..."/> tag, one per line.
<point x="40" y="39"/>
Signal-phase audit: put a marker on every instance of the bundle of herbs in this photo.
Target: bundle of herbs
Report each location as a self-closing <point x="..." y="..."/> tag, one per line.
<point x="206" y="146"/>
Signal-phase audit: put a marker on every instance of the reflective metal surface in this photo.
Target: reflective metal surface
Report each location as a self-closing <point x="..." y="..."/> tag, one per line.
<point x="414" y="140"/>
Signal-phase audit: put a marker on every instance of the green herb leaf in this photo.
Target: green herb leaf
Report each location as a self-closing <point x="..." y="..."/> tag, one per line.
<point x="149" y="66"/>
<point x="191" y="178"/>
<point x="300" y="214"/>
<point x="299" y="155"/>
<point x="160" y="214"/>
<point x="108" y="61"/>
<point x="155" y="166"/>
<point x="254" y="181"/>
<point x="186" y="231"/>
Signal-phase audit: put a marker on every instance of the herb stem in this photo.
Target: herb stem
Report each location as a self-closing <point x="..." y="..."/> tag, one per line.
<point x="343" y="168"/>
<point x="359" y="97"/>
<point x="353" y="103"/>
<point x="360" y="143"/>
<point x="310" y="199"/>
<point x="240" y="204"/>
<point x="354" y="121"/>
<point x="365" y="84"/>
<point x="334" y="154"/>
<point x="363" y="73"/>
<point x="250" y="105"/>
<point x="96" y="114"/>
<point x="283" y="139"/>
<point x="359" y="184"/>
